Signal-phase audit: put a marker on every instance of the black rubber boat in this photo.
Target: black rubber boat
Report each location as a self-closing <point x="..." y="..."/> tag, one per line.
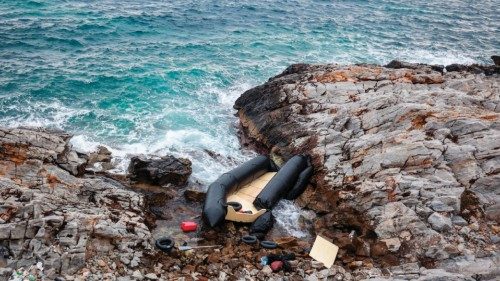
<point x="258" y="175"/>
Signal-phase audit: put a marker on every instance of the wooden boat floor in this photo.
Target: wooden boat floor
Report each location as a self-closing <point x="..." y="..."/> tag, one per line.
<point x="247" y="194"/>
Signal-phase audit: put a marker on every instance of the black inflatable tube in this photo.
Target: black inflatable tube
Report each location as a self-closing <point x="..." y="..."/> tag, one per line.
<point x="262" y="225"/>
<point x="301" y="184"/>
<point x="214" y="209"/>
<point x="281" y="183"/>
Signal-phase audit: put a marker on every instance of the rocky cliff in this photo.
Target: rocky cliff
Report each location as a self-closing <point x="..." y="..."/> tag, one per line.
<point x="69" y="224"/>
<point x="406" y="157"/>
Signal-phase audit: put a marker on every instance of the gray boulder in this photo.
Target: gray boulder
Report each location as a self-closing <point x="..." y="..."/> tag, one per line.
<point x="439" y="222"/>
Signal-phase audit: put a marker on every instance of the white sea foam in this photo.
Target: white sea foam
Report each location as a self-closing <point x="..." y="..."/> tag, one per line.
<point x="227" y="97"/>
<point x="434" y="57"/>
<point x="287" y="215"/>
<point x="83" y="144"/>
<point x="58" y="117"/>
<point x="198" y="146"/>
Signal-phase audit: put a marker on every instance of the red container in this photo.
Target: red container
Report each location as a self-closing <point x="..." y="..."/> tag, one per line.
<point x="276" y="265"/>
<point x="188" y="226"/>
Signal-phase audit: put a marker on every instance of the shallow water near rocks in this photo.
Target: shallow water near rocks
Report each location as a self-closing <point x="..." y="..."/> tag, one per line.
<point x="161" y="77"/>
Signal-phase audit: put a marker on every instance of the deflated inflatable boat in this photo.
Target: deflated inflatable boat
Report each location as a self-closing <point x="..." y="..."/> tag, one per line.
<point x="257" y="185"/>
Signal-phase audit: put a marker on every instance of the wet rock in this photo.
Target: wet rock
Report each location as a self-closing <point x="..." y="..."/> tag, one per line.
<point x="194" y="195"/>
<point x="100" y="160"/>
<point x="101" y="155"/>
<point x="161" y="171"/>
<point x="474" y="68"/>
<point x="401" y="64"/>
<point x="496" y="60"/>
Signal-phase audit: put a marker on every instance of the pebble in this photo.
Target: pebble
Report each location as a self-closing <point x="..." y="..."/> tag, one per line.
<point x="135" y="262"/>
<point x="393" y="244"/>
<point x="312" y="277"/>
<point x="267" y="270"/>
<point x="495" y="239"/>
<point x="324" y="273"/>
<point x="465" y="230"/>
<point x="316" y="264"/>
<point x="474" y="226"/>
<point x="137" y="275"/>
<point x="151" y="276"/>
<point x="124" y="259"/>
<point x="458" y="220"/>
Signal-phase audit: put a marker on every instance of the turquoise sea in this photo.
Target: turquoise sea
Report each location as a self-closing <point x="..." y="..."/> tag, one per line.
<point x="160" y="77"/>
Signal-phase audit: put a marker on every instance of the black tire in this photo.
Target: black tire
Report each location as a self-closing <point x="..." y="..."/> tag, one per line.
<point x="236" y="205"/>
<point x="165" y="244"/>
<point x="249" y="239"/>
<point x="268" y="244"/>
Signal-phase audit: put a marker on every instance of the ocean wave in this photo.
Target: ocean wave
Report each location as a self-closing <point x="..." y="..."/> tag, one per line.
<point x="52" y="114"/>
<point x="80" y="66"/>
<point x="209" y="156"/>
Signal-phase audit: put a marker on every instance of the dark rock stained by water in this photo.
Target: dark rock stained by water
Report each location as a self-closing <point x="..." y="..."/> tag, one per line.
<point x="160" y="171"/>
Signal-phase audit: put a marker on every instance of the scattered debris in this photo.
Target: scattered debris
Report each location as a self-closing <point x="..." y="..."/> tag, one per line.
<point x="188" y="226"/>
<point x="268" y="244"/>
<point x="249" y="239"/>
<point x="276" y="266"/>
<point x="324" y="251"/>
<point x="187" y="247"/>
<point x="165" y="244"/>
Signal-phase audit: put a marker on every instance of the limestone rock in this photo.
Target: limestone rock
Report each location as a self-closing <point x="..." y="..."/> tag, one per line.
<point x="50" y="215"/>
<point x="397" y="151"/>
<point x="439" y="222"/>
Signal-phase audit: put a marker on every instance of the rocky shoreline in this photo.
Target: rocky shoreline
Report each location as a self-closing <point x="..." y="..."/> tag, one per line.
<point x="406" y="182"/>
<point x="406" y="159"/>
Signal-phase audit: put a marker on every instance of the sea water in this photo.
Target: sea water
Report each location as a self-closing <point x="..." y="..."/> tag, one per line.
<point x="160" y="77"/>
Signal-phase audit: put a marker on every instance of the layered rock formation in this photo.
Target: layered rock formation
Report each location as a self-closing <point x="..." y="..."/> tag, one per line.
<point x="407" y="160"/>
<point x="68" y="224"/>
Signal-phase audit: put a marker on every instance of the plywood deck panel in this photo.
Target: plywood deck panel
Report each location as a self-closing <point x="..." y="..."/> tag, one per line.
<point x="245" y="196"/>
